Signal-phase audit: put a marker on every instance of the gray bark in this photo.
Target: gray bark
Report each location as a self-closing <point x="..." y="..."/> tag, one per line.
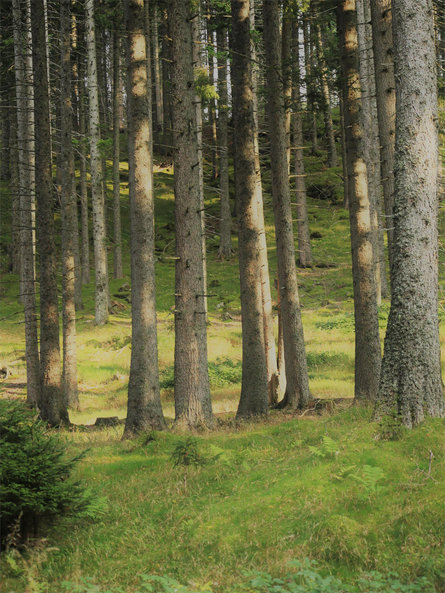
<point x="14" y="186"/>
<point x="308" y="63"/>
<point x="304" y="240"/>
<point x="386" y="104"/>
<point x="411" y="380"/>
<point x="192" y="390"/>
<point x="157" y="71"/>
<point x="84" y="217"/>
<point x="51" y="402"/>
<point x="225" y="228"/>
<point x="144" y="409"/>
<point x="297" y="390"/>
<point x="254" y="388"/>
<point x="26" y="191"/>
<point x="367" y="342"/>
<point x="117" y="233"/>
<point x="99" y="229"/>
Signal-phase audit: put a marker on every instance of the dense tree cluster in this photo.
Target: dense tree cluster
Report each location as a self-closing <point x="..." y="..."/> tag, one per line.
<point x="207" y="83"/>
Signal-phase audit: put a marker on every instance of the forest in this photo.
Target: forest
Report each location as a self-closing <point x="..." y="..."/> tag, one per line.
<point x="221" y="296"/>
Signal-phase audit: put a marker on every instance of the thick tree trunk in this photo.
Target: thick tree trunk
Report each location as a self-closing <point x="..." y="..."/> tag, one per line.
<point x="268" y="320"/>
<point x="367" y="342"/>
<point x="69" y="214"/>
<point x="26" y="188"/>
<point x="225" y="228"/>
<point x="99" y="229"/>
<point x="304" y="240"/>
<point x="51" y="402"/>
<point x="297" y="390"/>
<point x="254" y="389"/>
<point x="326" y="106"/>
<point x="192" y="391"/>
<point x="411" y="380"/>
<point x="381" y="14"/>
<point x="117" y="233"/>
<point x="144" y="409"/>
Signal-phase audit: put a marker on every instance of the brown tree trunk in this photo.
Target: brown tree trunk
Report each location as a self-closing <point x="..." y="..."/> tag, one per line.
<point x="157" y="70"/>
<point x="367" y="342"/>
<point x="117" y="233"/>
<point x="99" y="229"/>
<point x="26" y="188"/>
<point x="51" y="402"/>
<point x="297" y="390"/>
<point x="84" y="216"/>
<point x="144" y="409"/>
<point x="69" y="214"/>
<point x="381" y="14"/>
<point x="411" y="380"/>
<point x="254" y="389"/>
<point x="192" y="391"/>
<point x="310" y="91"/>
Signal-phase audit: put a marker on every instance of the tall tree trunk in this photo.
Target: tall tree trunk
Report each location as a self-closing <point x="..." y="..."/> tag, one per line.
<point x="268" y="321"/>
<point x="157" y="70"/>
<point x="411" y="379"/>
<point x="14" y="185"/>
<point x="326" y="106"/>
<point x="304" y="240"/>
<point x="225" y="228"/>
<point x="84" y="217"/>
<point x="144" y="409"/>
<point x="5" y="159"/>
<point x="51" y="402"/>
<point x="344" y="156"/>
<point x="286" y="63"/>
<point x="192" y="391"/>
<point x="381" y="14"/>
<point x="117" y="233"/>
<point x="309" y="80"/>
<point x="99" y="229"/>
<point x="69" y="214"/>
<point x="254" y="390"/>
<point x="297" y="390"/>
<point x="26" y="189"/>
<point x="367" y="342"/>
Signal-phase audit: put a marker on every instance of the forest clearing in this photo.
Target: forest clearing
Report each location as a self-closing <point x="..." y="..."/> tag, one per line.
<point x="193" y="392"/>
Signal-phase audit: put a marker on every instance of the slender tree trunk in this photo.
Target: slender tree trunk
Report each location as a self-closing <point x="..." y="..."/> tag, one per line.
<point x="99" y="229"/>
<point x="225" y="244"/>
<point x="381" y="14"/>
<point x="370" y="139"/>
<point x="26" y="189"/>
<point x="367" y="342"/>
<point x="212" y="77"/>
<point x="326" y="106"/>
<point x="254" y="389"/>
<point x="344" y="156"/>
<point x="297" y="390"/>
<point x="84" y="217"/>
<point x="268" y="321"/>
<point x="144" y="409"/>
<point x="117" y="234"/>
<point x="157" y="70"/>
<point x="14" y="185"/>
<point x="411" y="380"/>
<point x="308" y="62"/>
<point x="51" y="402"/>
<point x="304" y="240"/>
<point x="192" y="390"/>
<point x="286" y="62"/>
<point x="5" y="172"/>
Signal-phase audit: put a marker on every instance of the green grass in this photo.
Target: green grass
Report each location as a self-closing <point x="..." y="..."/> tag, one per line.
<point x="266" y="496"/>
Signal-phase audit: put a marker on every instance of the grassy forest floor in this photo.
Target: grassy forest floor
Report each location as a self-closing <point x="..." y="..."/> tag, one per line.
<point x="334" y="488"/>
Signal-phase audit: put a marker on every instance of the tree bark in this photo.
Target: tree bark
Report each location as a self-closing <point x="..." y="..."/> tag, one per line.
<point x="304" y="240"/>
<point x="367" y="342"/>
<point x="144" y="410"/>
<point x="69" y="214"/>
<point x="84" y="216"/>
<point x="381" y="18"/>
<point x="51" y="402"/>
<point x="99" y="229"/>
<point x="117" y="233"/>
<point x="411" y="380"/>
<point x="225" y="228"/>
<point x="26" y="188"/>
<point x="254" y="388"/>
<point x="297" y="390"/>
<point x="192" y="391"/>
<point x="309" y="81"/>
<point x="157" y="70"/>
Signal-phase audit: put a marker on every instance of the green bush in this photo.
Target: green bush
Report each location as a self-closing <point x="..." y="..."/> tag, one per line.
<point x="34" y="477"/>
